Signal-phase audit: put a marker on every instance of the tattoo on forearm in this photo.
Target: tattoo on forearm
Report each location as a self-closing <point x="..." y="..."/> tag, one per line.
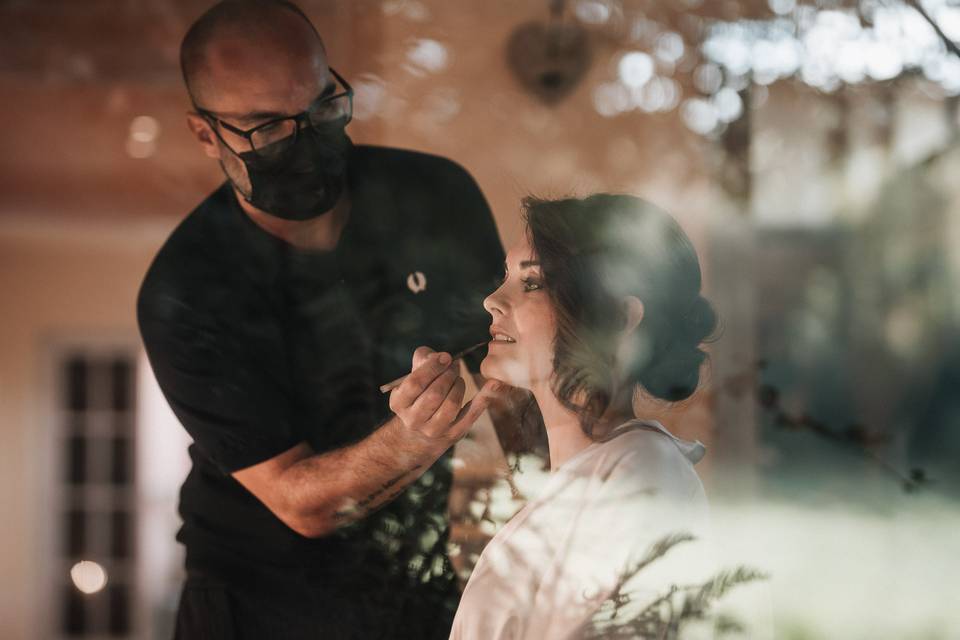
<point x="365" y="506"/>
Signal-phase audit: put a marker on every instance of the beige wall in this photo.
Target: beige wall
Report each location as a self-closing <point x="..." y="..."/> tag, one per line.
<point x="57" y="284"/>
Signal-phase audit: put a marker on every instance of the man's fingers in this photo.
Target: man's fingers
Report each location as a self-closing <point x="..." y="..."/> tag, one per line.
<point x="475" y="408"/>
<point x="420" y="355"/>
<point x="439" y="423"/>
<point x="419" y="380"/>
<point x="433" y="396"/>
<point x="429" y="398"/>
<point x="492" y="388"/>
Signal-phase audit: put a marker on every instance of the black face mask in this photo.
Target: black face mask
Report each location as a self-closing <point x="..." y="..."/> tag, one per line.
<point x="307" y="180"/>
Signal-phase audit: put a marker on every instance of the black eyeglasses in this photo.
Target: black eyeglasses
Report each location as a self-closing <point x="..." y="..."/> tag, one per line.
<point x="271" y="139"/>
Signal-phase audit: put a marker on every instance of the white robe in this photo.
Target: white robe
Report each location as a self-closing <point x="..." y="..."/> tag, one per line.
<point x="547" y="571"/>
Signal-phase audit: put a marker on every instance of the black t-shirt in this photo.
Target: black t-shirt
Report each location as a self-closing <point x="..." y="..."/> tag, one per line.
<point x="258" y="346"/>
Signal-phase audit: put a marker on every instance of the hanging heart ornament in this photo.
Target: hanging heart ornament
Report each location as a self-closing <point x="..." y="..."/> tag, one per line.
<point x="549" y="58"/>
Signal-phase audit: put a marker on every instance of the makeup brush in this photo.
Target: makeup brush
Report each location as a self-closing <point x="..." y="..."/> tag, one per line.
<point x="390" y="386"/>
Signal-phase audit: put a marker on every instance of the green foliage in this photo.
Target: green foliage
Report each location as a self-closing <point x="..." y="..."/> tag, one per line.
<point x="667" y="615"/>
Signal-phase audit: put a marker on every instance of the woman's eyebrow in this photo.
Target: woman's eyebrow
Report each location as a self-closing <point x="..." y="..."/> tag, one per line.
<point x="524" y="264"/>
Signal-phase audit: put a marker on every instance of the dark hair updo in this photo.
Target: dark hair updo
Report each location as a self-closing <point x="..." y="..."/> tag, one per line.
<point x="595" y="251"/>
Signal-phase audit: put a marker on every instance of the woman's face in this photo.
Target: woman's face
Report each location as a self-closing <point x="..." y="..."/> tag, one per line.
<point x="523" y="324"/>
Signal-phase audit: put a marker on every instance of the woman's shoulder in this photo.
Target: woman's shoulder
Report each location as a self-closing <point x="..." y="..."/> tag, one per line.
<point x="646" y="452"/>
<point x="652" y="437"/>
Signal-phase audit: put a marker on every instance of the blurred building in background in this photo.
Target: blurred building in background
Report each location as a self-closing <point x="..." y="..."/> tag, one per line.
<point x="809" y="150"/>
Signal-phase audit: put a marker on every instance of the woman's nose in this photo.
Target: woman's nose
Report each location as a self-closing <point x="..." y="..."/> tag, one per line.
<point x="493" y="303"/>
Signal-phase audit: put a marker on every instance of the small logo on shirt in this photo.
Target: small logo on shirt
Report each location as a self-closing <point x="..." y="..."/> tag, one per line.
<point x="417" y="282"/>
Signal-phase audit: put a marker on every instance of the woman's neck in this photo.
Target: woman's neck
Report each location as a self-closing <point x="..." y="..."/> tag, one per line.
<point x="565" y="436"/>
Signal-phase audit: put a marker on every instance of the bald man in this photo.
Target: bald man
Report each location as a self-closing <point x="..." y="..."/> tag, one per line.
<point x="315" y="507"/>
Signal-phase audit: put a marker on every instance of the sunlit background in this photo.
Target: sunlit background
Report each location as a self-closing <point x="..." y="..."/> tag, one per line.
<point x="809" y="149"/>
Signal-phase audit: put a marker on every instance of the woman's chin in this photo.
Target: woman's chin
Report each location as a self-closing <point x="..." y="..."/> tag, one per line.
<point x="488" y="369"/>
<point x="491" y="369"/>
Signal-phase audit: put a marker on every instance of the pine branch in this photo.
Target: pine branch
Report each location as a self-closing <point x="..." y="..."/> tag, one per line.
<point x="663" y="617"/>
<point x="661" y="620"/>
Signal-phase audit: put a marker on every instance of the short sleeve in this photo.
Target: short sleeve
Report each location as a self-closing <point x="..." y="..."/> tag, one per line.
<point x="223" y="378"/>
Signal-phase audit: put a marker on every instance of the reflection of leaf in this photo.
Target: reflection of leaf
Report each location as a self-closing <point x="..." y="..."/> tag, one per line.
<point x="717" y="586"/>
<point x="726" y="624"/>
<point x="665" y="617"/>
<point x="416" y="564"/>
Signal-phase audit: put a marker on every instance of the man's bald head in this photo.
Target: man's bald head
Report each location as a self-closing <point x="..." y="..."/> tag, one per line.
<point x="278" y="25"/>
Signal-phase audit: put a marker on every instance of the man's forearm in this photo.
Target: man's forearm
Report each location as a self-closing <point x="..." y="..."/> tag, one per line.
<point x="332" y="489"/>
<point x="315" y="493"/>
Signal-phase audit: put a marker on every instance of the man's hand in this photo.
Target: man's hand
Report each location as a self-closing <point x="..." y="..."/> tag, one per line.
<point x="428" y="402"/>
<point x="314" y="493"/>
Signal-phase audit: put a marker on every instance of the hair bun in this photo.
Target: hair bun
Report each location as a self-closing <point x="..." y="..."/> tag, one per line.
<point x="674" y="373"/>
<point x="700" y="321"/>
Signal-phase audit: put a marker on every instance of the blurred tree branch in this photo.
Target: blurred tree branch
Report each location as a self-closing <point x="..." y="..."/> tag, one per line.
<point x="950" y="44"/>
<point x="854" y="435"/>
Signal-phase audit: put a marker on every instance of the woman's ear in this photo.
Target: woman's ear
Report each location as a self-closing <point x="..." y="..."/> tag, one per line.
<point x="630" y="344"/>
<point x="632" y="312"/>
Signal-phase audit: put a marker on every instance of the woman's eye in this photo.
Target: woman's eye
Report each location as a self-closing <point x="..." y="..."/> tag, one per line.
<point x="531" y="285"/>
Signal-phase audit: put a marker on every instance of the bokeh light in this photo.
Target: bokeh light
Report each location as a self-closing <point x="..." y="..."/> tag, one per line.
<point x="593" y="11"/>
<point x="635" y="69"/>
<point x="670" y="47"/>
<point x="700" y="115"/>
<point x="88" y="576"/>
<point x="829" y="47"/>
<point x="142" y="138"/>
<point x="728" y="105"/>
<point x="427" y="55"/>
<point x="370" y="95"/>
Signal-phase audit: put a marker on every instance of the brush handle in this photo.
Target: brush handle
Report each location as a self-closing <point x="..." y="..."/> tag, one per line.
<point x="390" y="386"/>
